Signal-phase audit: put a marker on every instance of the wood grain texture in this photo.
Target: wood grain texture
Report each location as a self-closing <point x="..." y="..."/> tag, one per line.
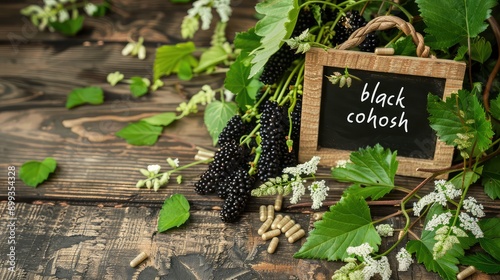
<point x="88" y="221"/>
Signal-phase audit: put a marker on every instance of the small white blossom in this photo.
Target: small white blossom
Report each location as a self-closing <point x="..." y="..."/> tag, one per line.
<point x="174" y="163"/>
<point x="380" y="267"/>
<point x="298" y="190"/>
<point x="404" y="259"/>
<point x="385" y="230"/>
<point x="319" y="192"/>
<point x="362" y="250"/>
<point x="305" y="168"/>
<point x="342" y="163"/>
<point x="63" y="15"/>
<point x="90" y="9"/>
<point x="154" y="168"/>
<point x="469" y="223"/>
<point x="228" y="95"/>
<point x="223" y="9"/>
<point x="437" y="220"/>
<point x="50" y="3"/>
<point x="443" y="191"/>
<point x="470" y="205"/>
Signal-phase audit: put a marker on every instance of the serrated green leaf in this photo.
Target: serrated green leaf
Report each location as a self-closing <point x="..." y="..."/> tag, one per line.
<point x="237" y="82"/>
<point x="491" y="240"/>
<point x="445" y="266"/>
<point x="80" y="96"/>
<point x="483" y="262"/>
<point x="404" y="46"/>
<point x="139" y="86"/>
<point x="375" y="192"/>
<point x="461" y="52"/>
<point x="140" y="133"/>
<point x="450" y="22"/>
<point x="169" y="57"/>
<point x="247" y="96"/>
<point x="277" y="24"/>
<point x="33" y="173"/>
<point x="462" y="181"/>
<point x="491" y="177"/>
<point x="370" y="167"/>
<point x="347" y="223"/>
<point x="495" y="107"/>
<point x="460" y="115"/>
<point x="247" y="41"/>
<point x="174" y="212"/>
<point x="211" y="58"/>
<point x="184" y="70"/>
<point x="163" y="119"/>
<point x="216" y="116"/>
<point x="69" y="27"/>
<point x="480" y="50"/>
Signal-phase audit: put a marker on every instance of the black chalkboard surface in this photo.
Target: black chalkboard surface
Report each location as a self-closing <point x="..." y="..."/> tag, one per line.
<point x="384" y="108"/>
<point x="387" y="106"/>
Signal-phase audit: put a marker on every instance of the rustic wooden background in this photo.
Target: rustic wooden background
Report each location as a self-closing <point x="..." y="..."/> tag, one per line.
<point x="88" y="221"/>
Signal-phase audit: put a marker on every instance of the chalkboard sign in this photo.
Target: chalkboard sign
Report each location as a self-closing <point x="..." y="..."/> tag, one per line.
<point x="388" y="106"/>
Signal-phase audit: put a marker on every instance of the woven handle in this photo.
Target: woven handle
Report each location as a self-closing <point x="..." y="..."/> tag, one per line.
<point x="383" y="23"/>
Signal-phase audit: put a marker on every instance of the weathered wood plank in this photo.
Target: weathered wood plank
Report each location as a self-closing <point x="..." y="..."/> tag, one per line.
<point x="81" y="242"/>
<point x="156" y="20"/>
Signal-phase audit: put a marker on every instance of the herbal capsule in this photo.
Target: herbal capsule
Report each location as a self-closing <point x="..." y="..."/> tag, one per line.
<point x="277" y="219"/>
<point x="287" y="226"/>
<point x="296" y="236"/>
<point x="318" y="216"/>
<point x="273" y="245"/>
<point x="292" y="230"/>
<point x="140" y="258"/>
<point x="283" y="221"/>
<point x="270" y="234"/>
<point x="270" y="211"/>
<point x="265" y="226"/>
<point x="263" y="213"/>
<point x="278" y="202"/>
<point x="466" y="272"/>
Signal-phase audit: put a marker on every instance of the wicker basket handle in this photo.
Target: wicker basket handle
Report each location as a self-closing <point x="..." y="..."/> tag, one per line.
<point x="383" y="23"/>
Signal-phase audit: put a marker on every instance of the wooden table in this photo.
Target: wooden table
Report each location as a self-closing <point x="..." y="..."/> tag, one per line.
<point x="88" y="221"/>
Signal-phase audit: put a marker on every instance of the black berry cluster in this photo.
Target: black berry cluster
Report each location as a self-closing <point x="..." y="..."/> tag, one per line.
<point x="233" y="130"/>
<point x="370" y="43"/>
<point x="238" y="187"/>
<point x="347" y="25"/>
<point x="273" y="141"/>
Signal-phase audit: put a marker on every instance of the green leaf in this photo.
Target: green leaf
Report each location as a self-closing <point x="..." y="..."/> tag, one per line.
<point x="446" y="266"/>
<point x="491" y="177"/>
<point x="169" y="57"/>
<point x="277" y="24"/>
<point x="211" y="58"/>
<point x="375" y="192"/>
<point x="404" y="46"/>
<point x="237" y="82"/>
<point x="450" y="22"/>
<point x="32" y="173"/>
<point x="495" y="107"/>
<point x="163" y="119"/>
<point x="461" y="52"/>
<point x="483" y="262"/>
<point x="370" y="167"/>
<point x="491" y="240"/>
<point x="347" y="223"/>
<point x="140" y="133"/>
<point x="217" y="114"/>
<point x="462" y="181"/>
<point x="174" y="212"/>
<point x="461" y="115"/>
<point x="247" y="41"/>
<point x="480" y="50"/>
<point x="139" y="86"/>
<point x="184" y="70"/>
<point x="69" y="27"/>
<point x="90" y="95"/>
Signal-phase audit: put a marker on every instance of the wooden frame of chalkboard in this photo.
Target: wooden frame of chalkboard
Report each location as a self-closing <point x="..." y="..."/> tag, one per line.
<point x="386" y="106"/>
